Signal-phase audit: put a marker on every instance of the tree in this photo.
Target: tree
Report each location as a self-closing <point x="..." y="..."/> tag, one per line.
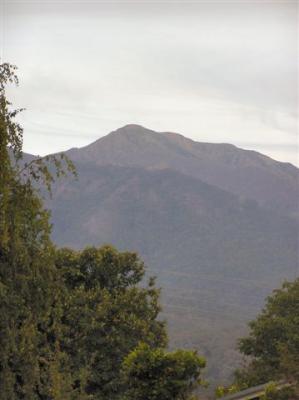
<point x="155" y="374"/>
<point x="106" y="314"/>
<point x="30" y="358"/>
<point x="273" y="343"/>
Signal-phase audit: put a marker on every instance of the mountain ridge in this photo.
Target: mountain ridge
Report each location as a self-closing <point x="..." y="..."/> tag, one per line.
<point x="131" y="130"/>
<point x="243" y="172"/>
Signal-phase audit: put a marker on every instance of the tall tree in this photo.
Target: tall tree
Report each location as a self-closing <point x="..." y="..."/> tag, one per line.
<point x="30" y="358"/>
<point x="107" y="313"/>
<point x="107" y="316"/>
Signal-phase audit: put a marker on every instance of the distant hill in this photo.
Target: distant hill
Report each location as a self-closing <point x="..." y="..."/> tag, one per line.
<point x="216" y="224"/>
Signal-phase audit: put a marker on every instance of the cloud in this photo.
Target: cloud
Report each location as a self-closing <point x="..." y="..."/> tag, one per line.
<point x="218" y="71"/>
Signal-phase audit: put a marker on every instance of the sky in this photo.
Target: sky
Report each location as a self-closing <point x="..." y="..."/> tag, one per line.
<point x="214" y="71"/>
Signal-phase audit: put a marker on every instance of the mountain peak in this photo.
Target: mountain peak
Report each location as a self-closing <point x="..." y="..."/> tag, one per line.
<point x="132" y="129"/>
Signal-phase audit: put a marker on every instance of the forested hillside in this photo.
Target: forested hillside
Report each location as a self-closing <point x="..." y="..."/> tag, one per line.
<point x="196" y="213"/>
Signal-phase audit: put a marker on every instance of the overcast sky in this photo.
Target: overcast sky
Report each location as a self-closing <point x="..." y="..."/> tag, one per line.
<point x="214" y="71"/>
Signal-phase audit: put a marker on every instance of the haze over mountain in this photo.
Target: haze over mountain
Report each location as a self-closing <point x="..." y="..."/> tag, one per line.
<point x="216" y="224"/>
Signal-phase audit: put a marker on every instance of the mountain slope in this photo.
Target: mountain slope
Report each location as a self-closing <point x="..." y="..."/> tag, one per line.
<point x="215" y="256"/>
<point x="246" y="173"/>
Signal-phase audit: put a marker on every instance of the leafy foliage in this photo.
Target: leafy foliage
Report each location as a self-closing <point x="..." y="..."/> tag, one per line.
<point x="159" y="375"/>
<point x="30" y="356"/>
<point x="273" y="342"/>
<point x="106" y="315"/>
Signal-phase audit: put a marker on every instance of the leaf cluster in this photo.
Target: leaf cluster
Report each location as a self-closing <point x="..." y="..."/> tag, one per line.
<point x="160" y="375"/>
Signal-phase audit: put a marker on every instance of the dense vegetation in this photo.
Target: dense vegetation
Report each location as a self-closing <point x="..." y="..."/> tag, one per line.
<point x="273" y="342"/>
<point x="272" y="347"/>
<point x="73" y="325"/>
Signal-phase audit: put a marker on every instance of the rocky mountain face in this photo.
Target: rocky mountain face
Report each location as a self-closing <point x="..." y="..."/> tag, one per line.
<point x="216" y="224"/>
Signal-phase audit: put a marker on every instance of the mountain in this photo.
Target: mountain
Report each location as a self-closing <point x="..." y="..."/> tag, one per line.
<point x="216" y="224"/>
<point x="246" y="173"/>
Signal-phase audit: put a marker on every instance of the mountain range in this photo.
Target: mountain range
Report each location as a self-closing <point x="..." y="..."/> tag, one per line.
<point x="216" y="224"/>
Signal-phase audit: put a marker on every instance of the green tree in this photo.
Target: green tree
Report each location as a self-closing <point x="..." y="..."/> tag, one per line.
<point x="106" y="314"/>
<point x="273" y="343"/>
<point x="30" y="357"/>
<point x="155" y="374"/>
